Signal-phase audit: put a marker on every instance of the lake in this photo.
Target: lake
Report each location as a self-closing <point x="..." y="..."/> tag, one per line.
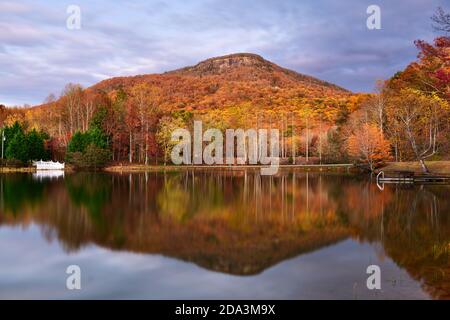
<point x="221" y="235"/>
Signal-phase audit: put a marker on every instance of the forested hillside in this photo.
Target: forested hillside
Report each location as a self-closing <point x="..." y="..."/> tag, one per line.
<point x="129" y="119"/>
<point x="236" y="91"/>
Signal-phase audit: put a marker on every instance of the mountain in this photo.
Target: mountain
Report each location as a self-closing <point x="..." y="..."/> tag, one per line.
<point x="250" y="67"/>
<point x="235" y="91"/>
<point x="226" y="81"/>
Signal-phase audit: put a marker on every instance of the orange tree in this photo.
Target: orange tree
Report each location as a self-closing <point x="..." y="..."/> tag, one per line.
<point x="368" y="145"/>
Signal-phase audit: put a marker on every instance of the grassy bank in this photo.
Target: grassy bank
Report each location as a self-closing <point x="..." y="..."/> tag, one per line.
<point x="436" y="167"/>
<point x="6" y="169"/>
<point x="126" y="168"/>
<point x="18" y="169"/>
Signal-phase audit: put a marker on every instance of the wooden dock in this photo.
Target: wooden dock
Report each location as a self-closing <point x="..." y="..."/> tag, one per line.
<point x="411" y="177"/>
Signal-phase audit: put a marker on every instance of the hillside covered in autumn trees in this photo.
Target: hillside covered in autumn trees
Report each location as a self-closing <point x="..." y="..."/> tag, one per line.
<point x="132" y="117"/>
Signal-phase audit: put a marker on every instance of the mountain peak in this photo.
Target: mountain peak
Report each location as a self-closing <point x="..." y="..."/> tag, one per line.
<point x="228" y="80"/>
<point x="249" y="67"/>
<point x="223" y="64"/>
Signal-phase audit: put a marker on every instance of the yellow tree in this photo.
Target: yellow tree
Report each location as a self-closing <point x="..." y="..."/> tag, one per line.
<point x="419" y="118"/>
<point x="166" y="126"/>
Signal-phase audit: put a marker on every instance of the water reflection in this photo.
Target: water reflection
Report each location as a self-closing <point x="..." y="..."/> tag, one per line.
<point x="237" y="222"/>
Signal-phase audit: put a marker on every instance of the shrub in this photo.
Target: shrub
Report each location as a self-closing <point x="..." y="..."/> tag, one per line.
<point x="93" y="157"/>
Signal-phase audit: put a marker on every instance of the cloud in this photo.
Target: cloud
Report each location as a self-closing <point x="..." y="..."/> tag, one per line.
<point x="324" y="38"/>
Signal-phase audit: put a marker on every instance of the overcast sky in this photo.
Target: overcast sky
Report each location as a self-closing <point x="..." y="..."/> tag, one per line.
<point x="324" y="38"/>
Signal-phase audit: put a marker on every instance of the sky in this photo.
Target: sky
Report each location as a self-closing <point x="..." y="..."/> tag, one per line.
<point x="327" y="39"/>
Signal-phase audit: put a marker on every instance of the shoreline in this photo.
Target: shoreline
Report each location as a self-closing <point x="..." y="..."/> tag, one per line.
<point x="174" y="168"/>
<point x="17" y="170"/>
<point x="436" y="167"/>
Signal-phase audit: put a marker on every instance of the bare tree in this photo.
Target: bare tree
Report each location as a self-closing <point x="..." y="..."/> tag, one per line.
<point x="441" y="20"/>
<point x="87" y="112"/>
<point x="50" y="98"/>
<point x="72" y="96"/>
<point x="379" y="104"/>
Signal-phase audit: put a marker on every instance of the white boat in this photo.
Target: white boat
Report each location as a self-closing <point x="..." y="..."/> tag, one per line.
<point x="48" y="165"/>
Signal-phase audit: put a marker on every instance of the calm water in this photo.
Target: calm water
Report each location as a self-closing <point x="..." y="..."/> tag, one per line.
<point x="221" y="235"/>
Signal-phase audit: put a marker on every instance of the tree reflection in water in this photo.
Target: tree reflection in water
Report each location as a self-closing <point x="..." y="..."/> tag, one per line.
<point x="238" y="222"/>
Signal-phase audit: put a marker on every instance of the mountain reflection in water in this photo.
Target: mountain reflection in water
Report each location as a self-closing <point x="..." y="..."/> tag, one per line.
<point x="237" y="222"/>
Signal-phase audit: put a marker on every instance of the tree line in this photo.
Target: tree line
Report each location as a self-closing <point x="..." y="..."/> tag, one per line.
<point x="20" y="146"/>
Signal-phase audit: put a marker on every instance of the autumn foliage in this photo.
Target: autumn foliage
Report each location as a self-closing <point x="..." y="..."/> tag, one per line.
<point x="235" y="91"/>
<point x="319" y="122"/>
<point x="368" y="145"/>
